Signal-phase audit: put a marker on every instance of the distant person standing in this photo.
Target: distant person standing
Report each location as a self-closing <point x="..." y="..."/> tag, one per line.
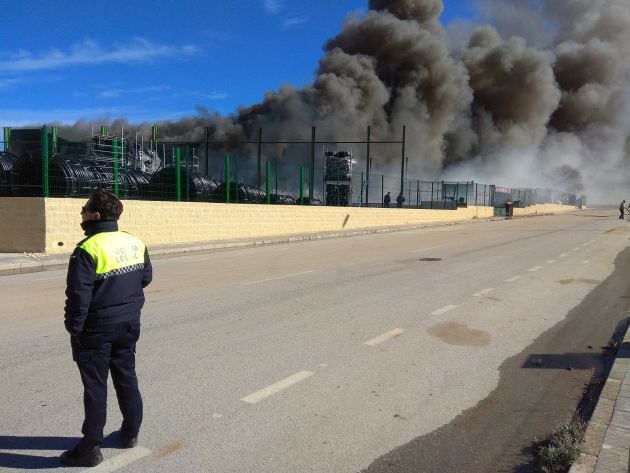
<point x="622" y="209"/>
<point x="400" y="200"/>
<point x="386" y="200"/>
<point x="508" y="207"/>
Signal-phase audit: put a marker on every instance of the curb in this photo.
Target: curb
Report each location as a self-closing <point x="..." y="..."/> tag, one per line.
<point x="606" y="445"/>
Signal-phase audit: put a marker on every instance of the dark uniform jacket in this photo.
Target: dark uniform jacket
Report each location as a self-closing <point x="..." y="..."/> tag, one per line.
<point x="106" y="276"/>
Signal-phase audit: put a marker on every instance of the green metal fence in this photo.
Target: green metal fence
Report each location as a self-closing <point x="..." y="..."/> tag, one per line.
<point x="40" y="162"/>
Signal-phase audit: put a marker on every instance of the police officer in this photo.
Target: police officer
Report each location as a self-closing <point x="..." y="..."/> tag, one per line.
<point x="106" y="276"/>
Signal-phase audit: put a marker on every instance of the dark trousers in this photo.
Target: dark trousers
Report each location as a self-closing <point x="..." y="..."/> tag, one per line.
<point x="621" y="212"/>
<point x="97" y="353"/>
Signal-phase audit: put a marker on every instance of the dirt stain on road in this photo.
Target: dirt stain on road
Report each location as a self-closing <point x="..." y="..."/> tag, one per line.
<point x="458" y="334"/>
<point x="170" y="449"/>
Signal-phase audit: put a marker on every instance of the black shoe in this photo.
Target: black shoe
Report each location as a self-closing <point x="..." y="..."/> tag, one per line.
<point x="83" y="454"/>
<point x="127" y="441"/>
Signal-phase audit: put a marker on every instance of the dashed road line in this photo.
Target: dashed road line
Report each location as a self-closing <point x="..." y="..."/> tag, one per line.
<point x="120" y="461"/>
<point x="513" y="278"/>
<point x="535" y="268"/>
<point x="564" y="255"/>
<point x="483" y="292"/>
<point x="575" y="249"/>
<point x="551" y="261"/>
<point x="444" y="310"/>
<point x="276" y="278"/>
<point x="275" y="388"/>
<point x="386" y="336"/>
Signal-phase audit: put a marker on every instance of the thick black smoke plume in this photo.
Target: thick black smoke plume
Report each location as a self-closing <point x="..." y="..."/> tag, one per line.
<point x="533" y="94"/>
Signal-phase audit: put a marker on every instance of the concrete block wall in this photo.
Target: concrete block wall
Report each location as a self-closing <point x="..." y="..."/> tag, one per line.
<point x="22" y="225"/>
<point x="52" y="225"/>
<point x="163" y="223"/>
<point x="541" y="209"/>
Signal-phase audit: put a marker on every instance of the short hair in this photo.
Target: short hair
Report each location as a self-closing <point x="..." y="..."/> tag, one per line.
<point x="105" y="203"/>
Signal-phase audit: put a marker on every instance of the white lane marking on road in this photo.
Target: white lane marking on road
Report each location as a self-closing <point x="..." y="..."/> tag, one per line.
<point x="551" y="261"/>
<point x="277" y="387"/>
<point x="483" y="292"/>
<point x="564" y="255"/>
<point x="444" y="310"/>
<point x="535" y="268"/>
<point x="276" y="278"/>
<point x="426" y="249"/>
<point x="119" y="461"/>
<point x="386" y="336"/>
<point x="586" y="261"/>
<point x="575" y="249"/>
<point x="513" y="278"/>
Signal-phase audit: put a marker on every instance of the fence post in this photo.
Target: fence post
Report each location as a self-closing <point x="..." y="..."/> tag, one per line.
<point x="259" y="157"/>
<point x="402" y="165"/>
<point x="301" y="185"/>
<point x="418" y="193"/>
<point x="311" y="174"/>
<point x="277" y="164"/>
<point x="236" y="178"/>
<point x="7" y="139"/>
<point x="361" y="200"/>
<point x="45" y="188"/>
<point x="115" y="164"/>
<point x="268" y="182"/>
<point x="154" y="141"/>
<point x="187" y="173"/>
<point x="178" y="174"/>
<point x="206" y="138"/>
<point x="227" y="179"/>
<point x="382" y="189"/>
<point x="367" y="165"/>
<point x="123" y="147"/>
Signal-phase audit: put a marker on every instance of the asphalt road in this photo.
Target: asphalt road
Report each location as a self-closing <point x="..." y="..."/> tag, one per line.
<point x="443" y="349"/>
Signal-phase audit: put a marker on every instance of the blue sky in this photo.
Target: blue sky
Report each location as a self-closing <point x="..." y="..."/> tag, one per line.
<point x="62" y="60"/>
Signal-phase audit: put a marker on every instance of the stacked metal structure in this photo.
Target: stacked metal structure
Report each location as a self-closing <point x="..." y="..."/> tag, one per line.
<point x="338" y="177"/>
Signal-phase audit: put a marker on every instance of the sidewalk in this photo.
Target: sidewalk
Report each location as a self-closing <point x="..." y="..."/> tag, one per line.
<point x="606" y="446"/>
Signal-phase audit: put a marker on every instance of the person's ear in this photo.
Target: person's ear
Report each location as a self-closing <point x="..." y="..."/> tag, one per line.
<point x="96" y="215"/>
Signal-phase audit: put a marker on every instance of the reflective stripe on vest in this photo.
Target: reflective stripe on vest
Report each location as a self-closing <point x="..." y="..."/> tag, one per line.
<point x="114" y="253"/>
